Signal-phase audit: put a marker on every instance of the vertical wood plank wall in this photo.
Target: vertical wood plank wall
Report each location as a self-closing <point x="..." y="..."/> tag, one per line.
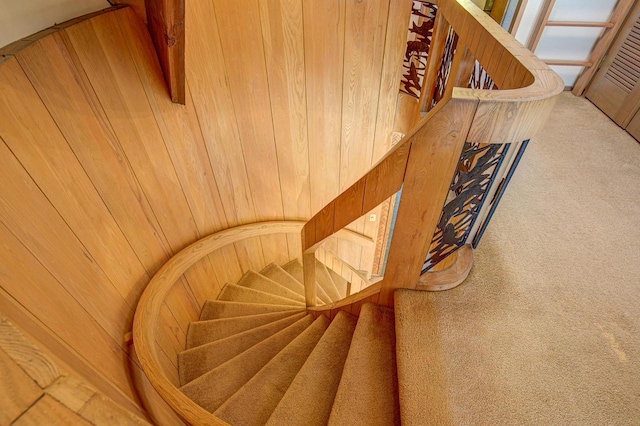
<point x="103" y="178"/>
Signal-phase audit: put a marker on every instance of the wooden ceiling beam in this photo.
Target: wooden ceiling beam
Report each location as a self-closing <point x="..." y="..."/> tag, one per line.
<point x="165" y="19"/>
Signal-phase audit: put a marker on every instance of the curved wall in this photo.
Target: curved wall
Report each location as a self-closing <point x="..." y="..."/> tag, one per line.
<point x="103" y="178"/>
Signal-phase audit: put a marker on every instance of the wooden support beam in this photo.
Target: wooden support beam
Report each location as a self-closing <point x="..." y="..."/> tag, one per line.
<point x="582" y="24"/>
<point x="541" y="22"/>
<point x="567" y="62"/>
<point x="165" y="19"/>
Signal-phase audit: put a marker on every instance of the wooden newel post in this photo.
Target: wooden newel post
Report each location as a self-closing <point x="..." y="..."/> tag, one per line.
<point x="309" y="269"/>
<point x="435" y="151"/>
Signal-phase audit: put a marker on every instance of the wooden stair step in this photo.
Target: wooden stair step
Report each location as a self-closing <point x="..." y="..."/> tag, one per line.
<point x="259" y="282"/>
<point x="324" y="281"/>
<point x="294" y="268"/>
<point x="368" y="390"/>
<point x="282" y="277"/>
<point x="235" y="293"/>
<point x="202" y="332"/>
<point x="310" y="396"/>
<point x="217" y="309"/>
<point x="194" y="362"/>
<point x="423" y="396"/>
<point x="212" y="389"/>
<point x="340" y="283"/>
<point x="263" y="392"/>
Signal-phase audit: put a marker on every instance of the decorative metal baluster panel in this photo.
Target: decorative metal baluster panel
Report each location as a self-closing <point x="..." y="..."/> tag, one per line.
<point x="480" y="78"/>
<point x="445" y="66"/>
<point x="476" y="172"/>
<point x="516" y="151"/>
<point x="423" y="17"/>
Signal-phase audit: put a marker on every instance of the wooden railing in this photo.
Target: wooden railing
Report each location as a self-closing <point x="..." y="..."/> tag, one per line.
<point x="424" y="162"/>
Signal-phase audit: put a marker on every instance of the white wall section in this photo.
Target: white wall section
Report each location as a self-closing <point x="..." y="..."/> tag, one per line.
<point x="21" y="18"/>
<point x="563" y="42"/>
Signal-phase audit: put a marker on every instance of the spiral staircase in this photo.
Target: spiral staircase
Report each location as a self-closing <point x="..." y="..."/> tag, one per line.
<point x="167" y="211"/>
<point x="293" y="344"/>
<point x="256" y="357"/>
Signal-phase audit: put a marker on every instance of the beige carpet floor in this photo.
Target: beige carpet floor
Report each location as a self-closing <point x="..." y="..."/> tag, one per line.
<point x="546" y="330"/>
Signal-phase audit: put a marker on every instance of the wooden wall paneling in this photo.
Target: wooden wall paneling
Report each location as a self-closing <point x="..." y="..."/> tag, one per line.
<point x="365" y="31"/>
<point x="172" y="339"/>
<point x="27" y="213"/>
<point x="366" y="25"/>
<point x="183" y="305"/>
<point x="225" y="260"/>
<point x="202" y="198"/>
<point x="295" y="246"/>
<point x="239" y="29"/>
<point x="189" y="157"/>
<point x="283" y="39"/>
<point x="211" y="95"/>
<point x="115" y="80"/>
<point x="165" y="19"/>
<point x="394" y="51"/>
<point x="281" y="23"/>
<point x="67" y="94"/>
<point x="27" y="286"/>
<point x="17" y="390"/>
<point x="324" y="37"/>
<point x="35" y="140"/>
<point x="155" y="406"/>
<point x="185" y="147"/>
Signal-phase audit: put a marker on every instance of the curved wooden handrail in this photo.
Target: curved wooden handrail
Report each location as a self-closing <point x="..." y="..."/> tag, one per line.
<point x="146" y="320"/>
<point x="514" y="113"/>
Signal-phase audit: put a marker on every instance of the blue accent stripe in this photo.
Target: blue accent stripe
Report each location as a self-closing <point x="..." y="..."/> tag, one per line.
<point x="392" y="226"/>
<point x="498" y="197"/>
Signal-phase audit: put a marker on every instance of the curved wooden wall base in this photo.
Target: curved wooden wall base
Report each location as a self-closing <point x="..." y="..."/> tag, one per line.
<point x="451" y="277"/>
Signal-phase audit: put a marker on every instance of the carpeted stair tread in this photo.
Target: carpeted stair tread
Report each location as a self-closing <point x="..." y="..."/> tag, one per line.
<point x="259" y="282"/>
<point x="282" y="277"/>
<point x="212" y="389"/>
<point x="368" y="390"/>
<point x="340" y="283"/>
<point x="202" y="332"/>
<point x="194" y="362"/>
<point x="217" y="309"/>
<point x="423" y="394"/>
<point x="294" y="268"/>
<point x="310" y="396"/>
<point x="324" y="281"/>
<point x="235" y="293"/>
<point x="263" y="392"/>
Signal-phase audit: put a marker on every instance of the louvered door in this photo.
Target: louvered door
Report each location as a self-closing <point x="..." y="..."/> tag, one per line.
<point x="616" y="86"/>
